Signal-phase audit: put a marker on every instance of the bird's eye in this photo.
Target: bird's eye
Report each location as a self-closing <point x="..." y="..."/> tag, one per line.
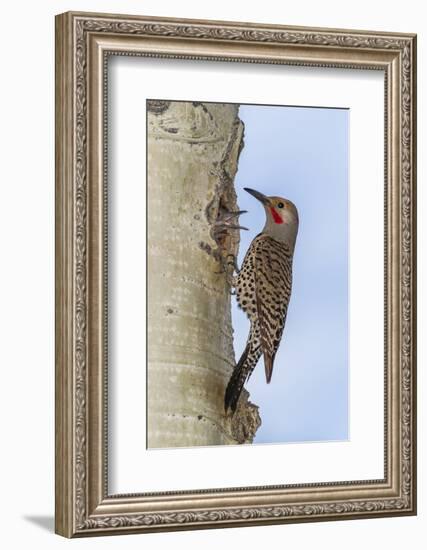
<point x="280" y="205"/>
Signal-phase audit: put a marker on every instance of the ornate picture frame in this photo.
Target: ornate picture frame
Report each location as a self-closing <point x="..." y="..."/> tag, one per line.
<point x="84" y="506"/>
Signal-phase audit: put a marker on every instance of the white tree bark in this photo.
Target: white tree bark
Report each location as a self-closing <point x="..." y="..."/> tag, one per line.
<point x="193" y="150"/>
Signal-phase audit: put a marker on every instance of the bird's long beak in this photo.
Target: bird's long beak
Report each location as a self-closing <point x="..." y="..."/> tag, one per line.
<point x="262" y="198"/>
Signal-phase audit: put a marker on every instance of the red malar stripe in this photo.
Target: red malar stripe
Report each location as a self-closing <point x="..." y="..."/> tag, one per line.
<point x="276" y="217"/>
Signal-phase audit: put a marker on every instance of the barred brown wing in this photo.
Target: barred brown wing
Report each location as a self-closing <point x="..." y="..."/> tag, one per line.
<point x="273" y="285"/>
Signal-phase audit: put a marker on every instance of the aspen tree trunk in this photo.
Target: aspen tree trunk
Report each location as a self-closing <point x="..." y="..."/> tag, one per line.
<point x="193" y="151"/>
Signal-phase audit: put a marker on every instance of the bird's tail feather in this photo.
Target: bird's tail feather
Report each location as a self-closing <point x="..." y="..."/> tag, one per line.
<point x="241" y="373"/>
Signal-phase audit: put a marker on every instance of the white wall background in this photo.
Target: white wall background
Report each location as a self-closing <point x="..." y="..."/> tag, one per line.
<point x="27" y="273"/>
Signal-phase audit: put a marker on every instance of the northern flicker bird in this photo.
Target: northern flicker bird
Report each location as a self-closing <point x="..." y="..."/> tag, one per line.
<point x="263" y="289"/>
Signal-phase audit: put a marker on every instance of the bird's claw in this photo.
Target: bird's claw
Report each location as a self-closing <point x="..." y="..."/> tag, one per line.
<point x="221" y="228"/>
<point x="222" y="233"/>
<point x="231" y="215"/>
<point x="226" y="222"/>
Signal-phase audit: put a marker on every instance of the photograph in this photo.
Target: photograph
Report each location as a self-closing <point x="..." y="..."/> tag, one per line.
<point x="215" y="209"/>
<point x="247" y="283"/>
<point x="235" y="314"/>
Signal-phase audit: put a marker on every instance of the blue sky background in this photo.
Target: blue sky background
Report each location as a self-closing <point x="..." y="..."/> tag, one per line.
<point x="301" y="153"/>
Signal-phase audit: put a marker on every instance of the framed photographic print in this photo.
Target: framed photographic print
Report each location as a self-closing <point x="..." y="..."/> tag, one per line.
<point x="235" y="274"/>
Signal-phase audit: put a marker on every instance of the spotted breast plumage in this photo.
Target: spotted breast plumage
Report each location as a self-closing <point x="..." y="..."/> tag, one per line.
<point x="263" y="290"/>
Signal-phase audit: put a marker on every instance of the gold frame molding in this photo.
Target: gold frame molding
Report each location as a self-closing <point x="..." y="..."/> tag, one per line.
<point x="83" y="43"/>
